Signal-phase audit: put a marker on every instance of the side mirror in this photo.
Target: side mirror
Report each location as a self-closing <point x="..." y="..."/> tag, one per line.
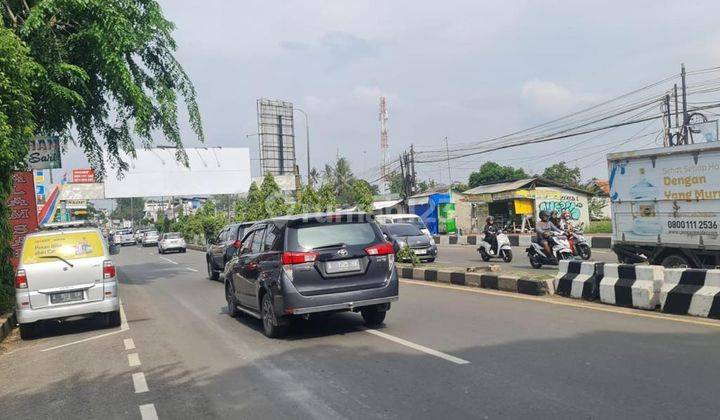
<point x="114" y="249"/>
<point x="386" y="237"/>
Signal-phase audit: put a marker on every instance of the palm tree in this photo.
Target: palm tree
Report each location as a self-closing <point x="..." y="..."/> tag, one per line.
<point x="344" y="179"/>
<point x="314" y="177"/>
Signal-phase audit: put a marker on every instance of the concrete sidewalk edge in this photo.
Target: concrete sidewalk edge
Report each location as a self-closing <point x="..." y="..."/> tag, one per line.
<point x="7" y="323"/>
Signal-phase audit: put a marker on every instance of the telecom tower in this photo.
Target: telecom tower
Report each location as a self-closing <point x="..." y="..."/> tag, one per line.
<point x="384" y="145"/>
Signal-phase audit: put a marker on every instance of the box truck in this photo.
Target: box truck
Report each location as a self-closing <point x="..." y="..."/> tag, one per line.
<point x="665" y="205"/>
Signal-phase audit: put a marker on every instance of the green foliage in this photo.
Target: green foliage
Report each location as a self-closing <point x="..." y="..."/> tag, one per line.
<point x="562" y="174"/>
<point x="327" y="199"/>
<point x="362" y="196"/>
<point x="599" y="226"/>
<point x="406" y="254"/>
<point x="7" y="298"/>
<point x="491" y="172"/>
<point x="205" y="223"/>
<point x="341" y="178"/>
<point x="129" y="209"/>
<point x="273" y="201"/>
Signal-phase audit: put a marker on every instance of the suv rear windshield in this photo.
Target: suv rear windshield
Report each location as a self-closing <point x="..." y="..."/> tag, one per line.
<point x="67" y="245"/>
<point x="413" y="221"/>
<point x="403" y="229"/>
<point x="324" y="234"/>
<point x="173" y="236"/>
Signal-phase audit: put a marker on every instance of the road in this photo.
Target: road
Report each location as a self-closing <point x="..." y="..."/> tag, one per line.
<point x="467" y="256"/>
<point x="445" y="352"/>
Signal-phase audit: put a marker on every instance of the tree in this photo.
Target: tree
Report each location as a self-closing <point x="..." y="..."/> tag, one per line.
<point x="314" y="177"/>
<point x="491" y="172"/>
<point x="273" y="201"/>
<point x="423" y="186"/>
<point x="129" y="209"/>
<point x="562" y="174"/>
<point x="341" y="178"/>
<point x="103" y="68"/>
<point x="327" y="200"/>
<point x="395" y="182"/>
<point x="362" y="196"/>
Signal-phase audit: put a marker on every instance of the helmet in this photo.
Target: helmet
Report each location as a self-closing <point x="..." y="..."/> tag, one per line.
<point x="544" y="214"/>
<point x="555" y="214"/>
<point x="490" y="219"/>
<point x="565" y="214"/>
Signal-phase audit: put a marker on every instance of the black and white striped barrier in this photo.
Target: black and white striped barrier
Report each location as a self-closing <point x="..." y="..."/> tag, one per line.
<point x="597" y="242"/>
<point x="635" y="286"/>
<point x="580" y="280"/>
<point x="691" y="292"/>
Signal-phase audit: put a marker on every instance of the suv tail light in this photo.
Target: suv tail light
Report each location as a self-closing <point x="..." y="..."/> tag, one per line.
<point x="380" y="249"/>
<point x="108" y="269"/>
<point x="289" y="258"/>
<point x="20" y="279"/>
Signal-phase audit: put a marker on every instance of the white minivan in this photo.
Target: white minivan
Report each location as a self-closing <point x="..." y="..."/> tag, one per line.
<point x="65" y="272"/>
<point x="412" y="219"/>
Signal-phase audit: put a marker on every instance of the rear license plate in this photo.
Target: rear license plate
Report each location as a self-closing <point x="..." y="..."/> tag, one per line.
<point x="420" y="251"/>
<point x="66" y="297"/>
<point x="342" y="266"/>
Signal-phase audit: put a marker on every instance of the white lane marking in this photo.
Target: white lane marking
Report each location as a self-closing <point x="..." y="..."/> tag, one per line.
<point x="418" y="347"/>
<point x="139" y="383"/>
<point x="168" y="260"/>
<point x="147" y="412"/>
<point x="133" y="359"/>
<point x="123" y="327"/>
<point x="192" y="269"/>
<point x="129" y="343"/>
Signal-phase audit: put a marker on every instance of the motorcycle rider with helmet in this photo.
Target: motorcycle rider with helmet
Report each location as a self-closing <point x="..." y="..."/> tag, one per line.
<point x="564" y="223"/>
<point x="544" y="227"/>
<point x="490" y="232"/>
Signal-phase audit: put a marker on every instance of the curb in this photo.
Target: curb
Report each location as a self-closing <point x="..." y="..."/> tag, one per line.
<point x="7" y="323"/>
<point x="596" y="242"/>
<point x="482" y="280"/>
<point x="196" y="247"/>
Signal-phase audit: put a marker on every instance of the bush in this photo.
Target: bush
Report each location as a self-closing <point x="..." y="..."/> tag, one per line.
<point x="407" y="254"/>
<point x="599" y="226"/>
<point x="7" y="298"/>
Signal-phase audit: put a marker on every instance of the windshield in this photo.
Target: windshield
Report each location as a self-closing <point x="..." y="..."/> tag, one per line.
<point x="151" y="233"/>
<point x="69" y="246"/>
<point x="404" y="229"/>
<point x="173" y="236"/>
<point x="329" y="234"/>
<point x="416" y="221"/>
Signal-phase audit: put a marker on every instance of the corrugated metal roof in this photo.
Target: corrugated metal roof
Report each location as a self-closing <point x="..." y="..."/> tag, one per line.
<point x="499" y="187"/>
<point x="377" y="205"/>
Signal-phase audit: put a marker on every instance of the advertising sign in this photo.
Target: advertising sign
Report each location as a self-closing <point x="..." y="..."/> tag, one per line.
<point x="83" y="176"/>
<point x="39" y="177"/>
<point x="23" y="211"/>
<point x="75" y="204"/>
<point x="44" y="153"/>
<point x="71" y="246"/>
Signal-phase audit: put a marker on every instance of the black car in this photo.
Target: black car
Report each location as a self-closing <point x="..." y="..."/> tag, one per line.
<point x="223" y="247"/>
<point x="304" y="264"/>
<point x="405" y="234"/>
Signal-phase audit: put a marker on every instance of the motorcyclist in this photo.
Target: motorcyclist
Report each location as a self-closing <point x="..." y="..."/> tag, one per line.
<point x="544" y="228"/>
<point x="490" y="232"/>
<point x="555" y="218"/>
<point x="564" y="223"/>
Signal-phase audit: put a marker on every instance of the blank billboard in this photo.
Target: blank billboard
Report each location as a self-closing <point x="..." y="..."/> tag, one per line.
<point x="156" y="173"/>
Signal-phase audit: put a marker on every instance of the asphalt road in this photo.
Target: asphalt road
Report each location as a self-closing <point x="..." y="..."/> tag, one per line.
<point x="445" y="352"/>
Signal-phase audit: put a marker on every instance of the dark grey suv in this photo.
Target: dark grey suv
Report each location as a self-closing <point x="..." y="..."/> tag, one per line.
<point x="304" y="264"/>
<point x="223" y="247"/>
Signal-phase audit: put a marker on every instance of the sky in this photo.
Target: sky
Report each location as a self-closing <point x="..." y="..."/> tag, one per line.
<point x="465" y="70"/>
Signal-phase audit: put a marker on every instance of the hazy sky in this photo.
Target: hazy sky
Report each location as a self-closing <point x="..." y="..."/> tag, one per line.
<point x="468" y="70"/>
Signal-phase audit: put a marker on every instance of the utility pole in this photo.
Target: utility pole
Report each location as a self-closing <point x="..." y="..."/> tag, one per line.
<point x="677" y="116"/>
<point x="684" y="100"/>
<point x="669" y="121"/>
<point x="413" y="179"/>
<point x="447" y="153"/>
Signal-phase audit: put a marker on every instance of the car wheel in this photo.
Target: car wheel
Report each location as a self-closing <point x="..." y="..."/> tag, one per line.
<point x="269" y="319"/>
<point x="507" y="255"/>
<point x="212" y="274"/>
<point x="182" y="251"/>
<point x="372" y="316"/>
<point x="112" y="319"/>
<point x="484" y="255"/>
<point x="430" y="260"/>
<point x="675" y="261"/>
<point x="232" y="309"/>
<point x="29" y="331"/>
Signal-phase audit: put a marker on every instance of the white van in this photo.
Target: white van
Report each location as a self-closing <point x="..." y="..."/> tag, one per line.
<point x="412" y="219"/>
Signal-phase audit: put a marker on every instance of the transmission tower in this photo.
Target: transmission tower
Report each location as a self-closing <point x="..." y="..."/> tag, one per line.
<point x="384" y="145"/>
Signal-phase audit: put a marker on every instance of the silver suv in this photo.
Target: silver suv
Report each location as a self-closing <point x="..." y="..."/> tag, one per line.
<point x="63" y="273"/>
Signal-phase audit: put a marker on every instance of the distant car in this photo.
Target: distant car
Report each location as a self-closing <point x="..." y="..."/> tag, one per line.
<point x="171" y="241"/>
<point x="223" y="247"/>
<point x="124" y="237"/>
<point x="405" y="234"/>
<point x="139" y="235"/>
<point x="317" y="263"/>
<point x="413" y="219"/>
<point x="64" y="273"/>
<point x="150" y="238"/>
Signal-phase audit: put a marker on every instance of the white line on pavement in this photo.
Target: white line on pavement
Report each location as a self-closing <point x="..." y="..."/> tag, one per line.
<point x="123" y="327"/>
<point x="147" y="412"/>
<point x="192" y="269"/>
<point x="133" y="359"/>
<point x="168" y="260"/>
<point x="418" y="347"/>
<point x="139" y="383"/>
<point x="129" y="343"/>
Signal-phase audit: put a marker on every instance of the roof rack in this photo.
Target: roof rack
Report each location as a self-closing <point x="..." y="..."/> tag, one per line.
<point x="65" y="225"/>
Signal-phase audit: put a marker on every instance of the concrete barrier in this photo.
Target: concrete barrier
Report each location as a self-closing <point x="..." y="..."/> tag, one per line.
<point x="635" y="286"/>
<point x="579" y="280"/>
<point x="484" y="280"/>
<point x="691" y="292"/>
<point x="597" y="242"/>
<point x="7" y="323"/>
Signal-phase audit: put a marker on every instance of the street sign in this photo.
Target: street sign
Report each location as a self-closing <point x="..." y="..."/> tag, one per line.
<point x="44" y="153"/>
<point x="40" y="189"/>
<point x="83" y="176"/>
<point x="23" y="213"/>
<point x="39" y="176"/>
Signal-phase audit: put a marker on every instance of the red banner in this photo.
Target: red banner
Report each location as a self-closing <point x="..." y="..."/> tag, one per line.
<point x="23" y="211"/>
<point x="83" y="176"/>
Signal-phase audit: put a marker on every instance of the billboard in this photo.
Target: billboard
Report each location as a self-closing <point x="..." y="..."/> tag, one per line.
<point x="156" y="173"/>
<point x="23" y="211"/>
<point x="276" y="130"/>
<point x="44" y="153"/>
<point x="82" y="192"/>
<point x="83" y="176"/>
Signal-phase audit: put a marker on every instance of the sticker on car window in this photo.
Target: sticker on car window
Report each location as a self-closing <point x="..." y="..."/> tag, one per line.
<point x="70" y="246"/>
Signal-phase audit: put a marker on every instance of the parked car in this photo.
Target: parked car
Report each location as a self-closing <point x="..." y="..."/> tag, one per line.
<point x="150" y="238"/>
<point x="305" y="264"/>
<point x="124" y="237"/>
<point x="405" y="234"/>
<point x="171" y="241"/>
<point x="223" y="247"/>
<point x="139" y="235"/>
<point x="413" y="219"/>
<point x="65" y="272"/>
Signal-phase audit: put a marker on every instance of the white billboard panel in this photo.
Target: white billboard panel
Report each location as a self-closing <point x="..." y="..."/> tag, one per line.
<point x="82" y="192"/>
<point x="156" y="173"/>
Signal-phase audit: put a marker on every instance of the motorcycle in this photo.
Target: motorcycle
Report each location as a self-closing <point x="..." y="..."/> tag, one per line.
<point x="503" y="246"/>
<point x="559" y="246"/>
<point x="578" y="243"/>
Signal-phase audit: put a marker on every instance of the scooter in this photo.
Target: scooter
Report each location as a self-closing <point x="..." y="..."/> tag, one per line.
<point x="578" y="243"/>
<point x="503" y="246"/>
<point x="560" y="250"/>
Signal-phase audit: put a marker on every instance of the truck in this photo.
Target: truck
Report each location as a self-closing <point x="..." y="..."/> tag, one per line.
<point x="665" y="205"/>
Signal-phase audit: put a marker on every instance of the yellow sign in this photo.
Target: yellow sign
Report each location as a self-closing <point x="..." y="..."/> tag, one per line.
<point x="70" y="246"/>
<point x="523" y="206"/>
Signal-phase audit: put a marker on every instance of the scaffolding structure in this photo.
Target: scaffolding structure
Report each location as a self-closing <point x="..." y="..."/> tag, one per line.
<point x="276" y="133"/>
<point x="384" y="145"/>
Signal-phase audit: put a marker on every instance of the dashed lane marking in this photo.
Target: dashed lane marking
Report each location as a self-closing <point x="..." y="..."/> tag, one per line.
<point x="129" y="343"/>
<point x="418" y="347"/>
<point x="139" y="383"/>
<point x="147" y="412"/>
<point x="168" y="260"/>
<point x="133" y="359"/>
<point x="192" y="269"/>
